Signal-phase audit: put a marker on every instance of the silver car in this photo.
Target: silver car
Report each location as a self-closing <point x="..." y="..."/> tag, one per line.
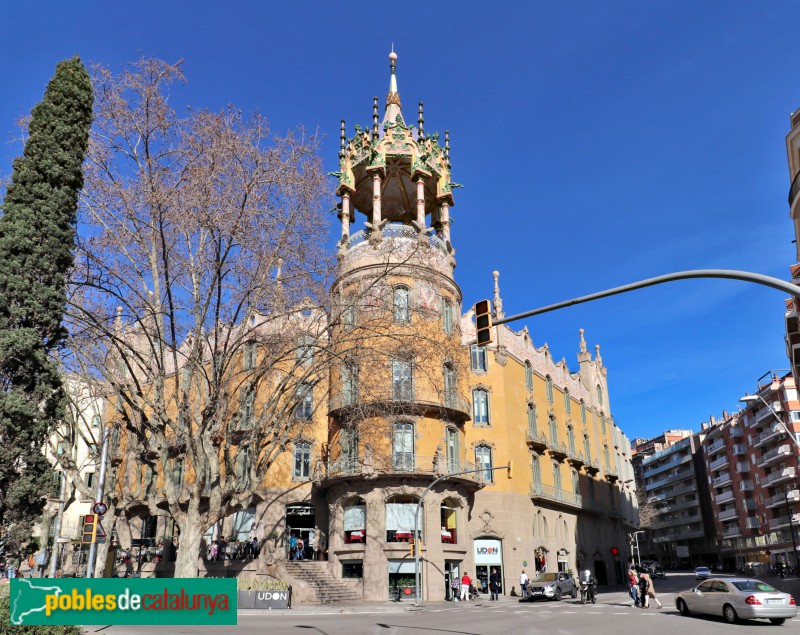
<point x="737" y="598"/>
<point x="552" y="586"/>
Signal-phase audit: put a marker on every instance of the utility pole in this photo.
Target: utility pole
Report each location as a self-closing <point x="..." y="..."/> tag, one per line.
<point x="101" y="483"/>
<point x="59" y="520"/>
<point x="791" y="526"/>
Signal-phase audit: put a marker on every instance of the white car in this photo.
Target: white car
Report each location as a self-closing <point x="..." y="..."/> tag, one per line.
<point x="702" y="573"/>
<point x="737" y="598"/>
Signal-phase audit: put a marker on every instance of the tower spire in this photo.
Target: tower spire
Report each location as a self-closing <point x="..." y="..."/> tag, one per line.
<point x="393" y="105"/>
<point x="498" y="302"/>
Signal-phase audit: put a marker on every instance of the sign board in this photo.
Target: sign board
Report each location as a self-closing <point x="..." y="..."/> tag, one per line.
<point x="488" y="551"/>
<point x="272" y="599"/>
<point x="100" y="508"/>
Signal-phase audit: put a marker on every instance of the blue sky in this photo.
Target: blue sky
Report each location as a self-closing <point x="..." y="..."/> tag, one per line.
<point x="599" y="143"/>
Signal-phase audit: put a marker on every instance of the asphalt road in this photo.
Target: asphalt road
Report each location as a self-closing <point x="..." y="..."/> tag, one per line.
<point x="612" y="614"/>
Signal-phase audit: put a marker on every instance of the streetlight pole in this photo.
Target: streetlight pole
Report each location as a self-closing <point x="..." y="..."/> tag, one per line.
<point x="638" y="553"/>
<point x="417" y="594"/>
<point x="791" y="526"/>
<point x="101" y="484"/>
<point x="751" y="398"/>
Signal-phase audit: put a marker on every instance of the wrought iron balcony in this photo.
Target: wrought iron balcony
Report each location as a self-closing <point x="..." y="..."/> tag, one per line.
<point x="555" y="495"/>
<point x="387" y="401"/>
<point x="398" y="465"/>
<point x="537" y="440"/>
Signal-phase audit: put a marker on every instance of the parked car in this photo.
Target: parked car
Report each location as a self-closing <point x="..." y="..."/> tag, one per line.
<point x="702" y="573"/>
<point x="551" y="586"/>
<point x="737" y="598"/>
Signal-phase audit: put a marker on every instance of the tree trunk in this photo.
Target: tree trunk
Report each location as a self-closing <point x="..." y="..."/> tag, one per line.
<point x="189" y="546"/>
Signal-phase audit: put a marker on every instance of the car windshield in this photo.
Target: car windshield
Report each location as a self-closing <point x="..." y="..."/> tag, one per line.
<point x="753" y="585"/>
<point x="701" y="569"/>
<point x="548" y="577"/>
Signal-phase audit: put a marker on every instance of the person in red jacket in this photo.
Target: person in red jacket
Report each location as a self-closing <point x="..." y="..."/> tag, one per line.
<point x="465" y="583"/>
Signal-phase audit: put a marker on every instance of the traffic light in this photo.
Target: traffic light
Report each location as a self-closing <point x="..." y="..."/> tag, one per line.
<point x="510" y="466"/>
<point x="483" y="322"/>
<point x="411" y="544"/>
<point x="89" y="528"/>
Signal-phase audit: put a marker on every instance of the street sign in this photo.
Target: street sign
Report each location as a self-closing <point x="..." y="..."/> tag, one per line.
<point x="100" y="508"/>
<point x="99" y="532"/>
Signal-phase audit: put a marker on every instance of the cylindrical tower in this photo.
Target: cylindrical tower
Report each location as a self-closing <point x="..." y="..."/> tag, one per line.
<point x="398" y="390"/>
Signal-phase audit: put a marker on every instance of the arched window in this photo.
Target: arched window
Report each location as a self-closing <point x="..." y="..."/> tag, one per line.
<point x="548" y="386"/>
<point x="349" y="449"/>
<point x="350" y="315"/>
<point x="528" y="375"/>
<point x="606" y="458"/>
<point x="531" y="418"/>
<point x="402" y="380"/>
<point x="587" y="447"/>
<point x="305" y="350"/>
<point x="403" y="446"/>
<point x="583" y="411"/>
<point x="576" y="482"/>
<point x="599" y="395"/>
<point x="449" y="517"/>
<point x="448" y="320"/>
<point x="249" y="355"/>
<point x="571" y="439"/>
<point x="603" y="423"/>
<point x="567" y="401"/>
<point x="453" y="449"/>
<point x="478" y="358"/>
<point x="305" y="402"/>
<point x="536" y="470"/>
<point x="402" y="314"/>
<point x="553" y="429"/>
<point x="355" y="520"/>
<point x="400" y="514"/>
<point x="483" y="459"/>
<point x="557" y="475"/>
<point x="480" y="407"/>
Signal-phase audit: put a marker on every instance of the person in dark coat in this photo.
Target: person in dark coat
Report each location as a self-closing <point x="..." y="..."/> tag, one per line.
<point x="494" y="585"/>
<point x="643" y="601"/>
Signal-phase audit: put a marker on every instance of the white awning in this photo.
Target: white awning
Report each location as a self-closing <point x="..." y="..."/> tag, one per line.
<point x="355" y="517"/>
<point x="401" y="566"/>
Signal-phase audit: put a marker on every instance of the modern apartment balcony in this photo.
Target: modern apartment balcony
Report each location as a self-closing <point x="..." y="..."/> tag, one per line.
<point x="715" y="447"/>
<point x="763" y="413"/>
<point x="401" y="466"/>
<point x="779" y="476"/>
<point x="722" y="480"/>
<point x="716" y="464"/>
<point x="742" y="467"/>
<point x="784" y="521"/>
<point x="726" y="496"/>
<point x="731" y="532"/>
<point x="728" y="514"/>
<point x="651" y="471"/>
<point x="752" y="522"/>
<point x="745" y="486"/>
<point x="678" y="534"/>
<point x="537" y="440"/>
<point x="675" y="522"/>
<point x="678" y="506"/>
<point x="792" y="496"/>
<point x="740" y="449"/>
<point x="774" y="432"/>
<point x="736" y="432"/>
<point x="776" y="455"/>
<point x="750" y="504"/>
<point x="550" y="494"/>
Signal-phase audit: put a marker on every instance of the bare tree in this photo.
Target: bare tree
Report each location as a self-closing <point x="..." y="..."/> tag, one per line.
<point x="196" y="296"/>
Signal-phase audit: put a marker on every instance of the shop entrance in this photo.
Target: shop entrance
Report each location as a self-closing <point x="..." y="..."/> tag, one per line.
<point x="300" y="526"/>
<point x="452" y="576"/>
<point x="488" y="556"/>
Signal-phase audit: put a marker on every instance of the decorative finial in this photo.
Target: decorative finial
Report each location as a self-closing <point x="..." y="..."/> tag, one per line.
<point x="498" y="301"/>
<point x="583" y="341"/>
<point x="118" y="319"/>
<point x="393" y="105"/>
<point x="597" y="354"/>
<point x="447" y="147"/>
<point x="375" y="117"/>
<point x="420" y="123"/>
<point x="342" y="138"/>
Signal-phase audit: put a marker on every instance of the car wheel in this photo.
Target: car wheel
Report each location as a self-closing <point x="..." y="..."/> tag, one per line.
<point x="682" y="608"/>
<point x="574" y="593"/>
<point x="729" y="613"/>
<point x="777" y="620"/>
<point x="557" y="596"/>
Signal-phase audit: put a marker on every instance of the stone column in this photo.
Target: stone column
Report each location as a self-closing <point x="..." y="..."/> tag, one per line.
<point x="376" y="201"/>
<point x="421" y="203"/>
<point x="445" y="222"/>
<point x="345" y="217"/>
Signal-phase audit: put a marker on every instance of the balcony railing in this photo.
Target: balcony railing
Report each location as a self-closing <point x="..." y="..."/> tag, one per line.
<point x="731" y="532"/>
<point x="745" y="486"/>
<point x="774" y="431"/>
<point x="720" y="462"/>
<point x="437" y="465"/>
<point x="555" y="495"/>
<point x="405" y="398"/>
<point x="722" y="479"/>
<point x="537" y="439"/>
<point x="742" y="467"/>
<point x="779" y="476"/>
<point x="784" y="520"/>
<point x="728" y="514"/>
<point x="775" y="454"/>
<point x="397" y="231"/>
<point x="781" y="499"/>
<point x="718" y="445"/>
<point x="725" y="497"/>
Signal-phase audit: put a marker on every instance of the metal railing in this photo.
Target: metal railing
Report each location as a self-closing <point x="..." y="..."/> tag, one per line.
<point x="398" y="231"/>
<point x="400" y="464"/>
<point x="556" y="494"/>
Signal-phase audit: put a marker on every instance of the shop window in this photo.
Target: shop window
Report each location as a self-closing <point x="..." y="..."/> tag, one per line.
<point x="353" y="569"/>
<point x="480" y="407"/>
<point x="449" y="516"/>
<point x="401" y="579"/>
<point x="400" y="515"/>
<point x="478" y="357"/>
<point x="355" y="521"/>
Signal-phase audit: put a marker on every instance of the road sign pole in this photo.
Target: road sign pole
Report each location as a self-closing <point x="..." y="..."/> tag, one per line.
<point x="101" y="483"/>
<point x="57" y="531"/>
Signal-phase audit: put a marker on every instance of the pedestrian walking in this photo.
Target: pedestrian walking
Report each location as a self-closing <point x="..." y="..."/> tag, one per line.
<point x="292" y="546"/>
<point x="643" y="603"/>
<point x="633" y="584"/>
<point x="651" y="590"/>
<point x="494" y="585"/>
<point x="455" y="586"/>
<point x="12" y="564"/>
<point x="466" y="582"/>
<point x="523" y="583"/>
<point x="300" y="548"/>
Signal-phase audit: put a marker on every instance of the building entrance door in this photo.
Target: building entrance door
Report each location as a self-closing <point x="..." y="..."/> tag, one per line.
<point x="300" y="526"/>
<point x="452" y="579"/>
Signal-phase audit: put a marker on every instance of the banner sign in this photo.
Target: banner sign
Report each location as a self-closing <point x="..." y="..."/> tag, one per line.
<point x="111" y="601"/>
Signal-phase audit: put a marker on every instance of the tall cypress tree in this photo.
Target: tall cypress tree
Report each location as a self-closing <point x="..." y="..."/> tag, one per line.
<point x="37" y="239"/>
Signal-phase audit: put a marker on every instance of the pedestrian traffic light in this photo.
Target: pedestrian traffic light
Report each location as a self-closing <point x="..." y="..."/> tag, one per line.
<point x="483" y="322"/>
<point x="510" y="466"/>
<point x="411" y="543"/>
<point x="89" y="528"/>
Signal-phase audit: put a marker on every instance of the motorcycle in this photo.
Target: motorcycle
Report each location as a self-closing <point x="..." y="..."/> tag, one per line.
<point x="588" y="590"/>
